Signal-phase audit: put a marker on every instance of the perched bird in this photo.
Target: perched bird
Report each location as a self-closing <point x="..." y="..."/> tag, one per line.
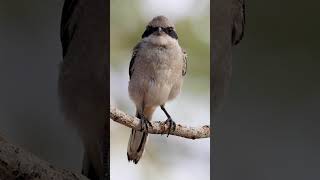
<point x="157" y="69"/>
<point x="83" y="85"/>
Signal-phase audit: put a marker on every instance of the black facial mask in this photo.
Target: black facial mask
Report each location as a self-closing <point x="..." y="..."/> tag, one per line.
<point x="168" y="30"/>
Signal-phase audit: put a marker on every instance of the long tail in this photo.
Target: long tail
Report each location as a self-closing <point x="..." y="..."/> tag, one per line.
<point x="136" y="145"/>
<point x="96" y="160"/>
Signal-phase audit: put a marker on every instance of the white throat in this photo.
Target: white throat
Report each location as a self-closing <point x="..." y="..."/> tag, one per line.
<point x="163" y="40"/>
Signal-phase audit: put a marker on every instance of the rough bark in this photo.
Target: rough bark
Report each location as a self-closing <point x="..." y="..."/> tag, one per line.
<point x="17" y="163"/>
<point x="160" y="127"/>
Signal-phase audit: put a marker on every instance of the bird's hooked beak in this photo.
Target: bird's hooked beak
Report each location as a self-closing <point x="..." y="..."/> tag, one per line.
<point x="159" y="31"/>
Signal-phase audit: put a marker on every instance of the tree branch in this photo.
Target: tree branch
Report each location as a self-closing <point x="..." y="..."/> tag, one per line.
<point x="16" y="163"/>
<point x="160" y="127"/>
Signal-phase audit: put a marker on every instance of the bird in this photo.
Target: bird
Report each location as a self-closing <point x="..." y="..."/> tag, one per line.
<point x="156" y="72"/>
<point x="83" y="81"/>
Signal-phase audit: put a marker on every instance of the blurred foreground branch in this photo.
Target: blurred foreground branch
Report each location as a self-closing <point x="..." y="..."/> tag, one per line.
<point x="159" y="127"/>
<point x="16" y="163"/>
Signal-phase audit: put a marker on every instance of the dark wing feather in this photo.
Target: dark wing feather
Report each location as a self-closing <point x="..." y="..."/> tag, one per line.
<point x="185" y="62"/>
<point x="68" y="23"/>
<point x="134" y="55"/>
<point x="239" y="20"/>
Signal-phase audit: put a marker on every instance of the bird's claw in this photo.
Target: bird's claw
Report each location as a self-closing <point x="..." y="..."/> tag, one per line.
<point x="144" y="124"/>
<point x="171" y="124"/>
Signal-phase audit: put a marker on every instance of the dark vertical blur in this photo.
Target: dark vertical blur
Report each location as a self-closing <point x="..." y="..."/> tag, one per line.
<point x="269" y="127"/>
<point x="30" y="52"/>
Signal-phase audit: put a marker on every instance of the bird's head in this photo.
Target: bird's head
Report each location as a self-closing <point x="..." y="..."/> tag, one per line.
<point x="160" y="28"/>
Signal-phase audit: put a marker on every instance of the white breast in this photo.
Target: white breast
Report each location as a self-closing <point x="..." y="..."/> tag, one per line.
<point x="157" y="71"/>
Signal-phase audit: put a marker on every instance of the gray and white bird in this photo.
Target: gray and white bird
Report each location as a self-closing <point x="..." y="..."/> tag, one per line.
<point x="157" y="69"/>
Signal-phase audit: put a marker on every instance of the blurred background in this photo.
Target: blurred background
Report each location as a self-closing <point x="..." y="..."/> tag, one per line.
<point x="269" y="126"/>
<point x="30" y="52"/>
<point x="164" y="158"/>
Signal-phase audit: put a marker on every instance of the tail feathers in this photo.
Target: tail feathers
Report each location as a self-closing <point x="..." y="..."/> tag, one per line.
<point x="88" y="169"/>
<point x="93" y="162"/>
<point x="136" y="145"/>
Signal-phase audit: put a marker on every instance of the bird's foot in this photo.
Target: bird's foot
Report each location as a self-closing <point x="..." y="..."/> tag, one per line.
<point x="171" y="124"/>
<point x="144" y="124"/>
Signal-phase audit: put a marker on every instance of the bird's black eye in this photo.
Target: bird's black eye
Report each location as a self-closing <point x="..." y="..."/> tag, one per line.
<point x="168" y="30"/>
<point x="149" y="30"/>
<point x="171" y="32"/>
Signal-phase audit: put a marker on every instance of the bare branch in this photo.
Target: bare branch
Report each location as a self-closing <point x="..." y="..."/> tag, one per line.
<point x="16" y="163"/>
<point x="160" y="127"/>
